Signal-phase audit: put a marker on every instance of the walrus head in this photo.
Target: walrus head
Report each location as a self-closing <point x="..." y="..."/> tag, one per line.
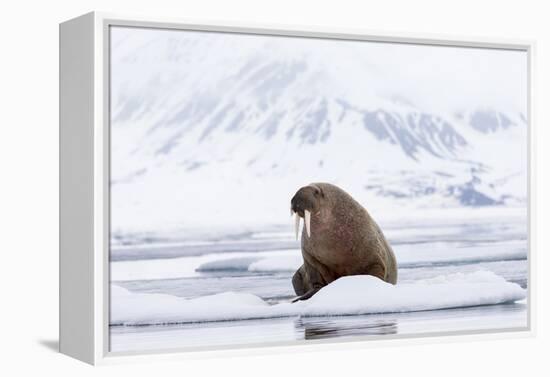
<point x="306" y="201"/>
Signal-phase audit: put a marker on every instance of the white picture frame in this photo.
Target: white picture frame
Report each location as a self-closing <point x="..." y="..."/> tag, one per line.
<point x="84" y="184"/>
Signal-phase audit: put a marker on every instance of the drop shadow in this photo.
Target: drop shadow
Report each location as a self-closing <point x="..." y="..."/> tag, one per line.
<point x="52" y="345"/>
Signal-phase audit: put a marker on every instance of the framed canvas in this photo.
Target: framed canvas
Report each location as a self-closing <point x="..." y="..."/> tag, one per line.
<point x="227" y="187"/>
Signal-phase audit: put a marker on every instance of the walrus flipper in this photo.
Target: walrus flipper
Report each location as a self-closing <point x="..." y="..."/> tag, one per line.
<point x="298" y="281"/>
<point x="306" y="282"/>
<point x="307" y="295"/>
<point x="377" y="270"/>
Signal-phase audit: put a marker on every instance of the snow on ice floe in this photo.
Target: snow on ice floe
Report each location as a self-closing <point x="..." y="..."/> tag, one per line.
<point x="351" y="295"/>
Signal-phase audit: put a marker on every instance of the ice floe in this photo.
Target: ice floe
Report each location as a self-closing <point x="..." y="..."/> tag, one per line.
<point x="288" y="260"/>
<point x="431" y="254"/>
<point x="352" y="295"/>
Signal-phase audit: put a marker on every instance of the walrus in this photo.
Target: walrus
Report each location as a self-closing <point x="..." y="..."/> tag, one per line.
<point x="339" y="238"/>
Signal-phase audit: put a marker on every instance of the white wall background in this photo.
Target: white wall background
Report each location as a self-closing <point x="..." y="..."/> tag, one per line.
<point x="29" y="185"/>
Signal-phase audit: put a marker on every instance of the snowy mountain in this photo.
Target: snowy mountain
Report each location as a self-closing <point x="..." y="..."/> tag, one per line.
<point x="221" y="130"/>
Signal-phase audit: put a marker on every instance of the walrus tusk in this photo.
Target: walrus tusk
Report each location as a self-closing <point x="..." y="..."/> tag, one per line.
<point x="308" y="222"/>
<point x="297" y="225"/>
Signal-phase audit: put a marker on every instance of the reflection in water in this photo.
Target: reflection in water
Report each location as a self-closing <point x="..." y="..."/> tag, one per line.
<point x="274" y="330"/>
<point x="323" y="328"/>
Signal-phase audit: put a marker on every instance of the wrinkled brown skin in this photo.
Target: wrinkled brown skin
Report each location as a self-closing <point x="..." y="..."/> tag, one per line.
<point x="344" y="240"/>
